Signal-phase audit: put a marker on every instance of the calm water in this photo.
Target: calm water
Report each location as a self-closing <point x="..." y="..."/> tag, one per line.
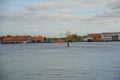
<point x="55" y="61"/>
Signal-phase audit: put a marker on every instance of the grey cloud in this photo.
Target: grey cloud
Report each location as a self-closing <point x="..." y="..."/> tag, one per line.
<point x="114" y="5"/>
<point x="105" y="18"/>
<point x="62" y="5"/>
<point x="78" y="0"/>
<point x="5" y="1"/>
<point x="109" y="17"/>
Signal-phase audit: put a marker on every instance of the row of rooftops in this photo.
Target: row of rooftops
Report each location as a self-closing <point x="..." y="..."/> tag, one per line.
<point x="21" y="39"/>
<point x="28" y="39"/>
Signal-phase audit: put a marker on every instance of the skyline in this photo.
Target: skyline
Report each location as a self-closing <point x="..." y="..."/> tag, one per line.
<point x="53" y="18"/>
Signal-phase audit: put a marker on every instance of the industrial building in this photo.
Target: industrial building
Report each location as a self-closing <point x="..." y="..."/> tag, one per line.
<point x="110" y="36"/>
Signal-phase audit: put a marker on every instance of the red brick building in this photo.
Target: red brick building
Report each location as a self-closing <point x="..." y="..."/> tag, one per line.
<point x="37" y="39"/>
<point x="95" y="37"/>
<point x="22" y="39"/>
<point x="9" y="39"/>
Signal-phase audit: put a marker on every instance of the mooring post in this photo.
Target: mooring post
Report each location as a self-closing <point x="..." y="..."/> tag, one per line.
<point x="68" y="44"/>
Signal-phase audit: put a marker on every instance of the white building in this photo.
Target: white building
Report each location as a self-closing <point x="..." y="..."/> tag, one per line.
<point x="111" y="36"/>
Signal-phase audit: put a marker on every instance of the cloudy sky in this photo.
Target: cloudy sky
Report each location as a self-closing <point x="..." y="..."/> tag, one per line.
<point x="53" y="18"/>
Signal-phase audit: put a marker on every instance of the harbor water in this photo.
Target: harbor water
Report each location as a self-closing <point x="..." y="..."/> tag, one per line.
<point x="56" y="61"/>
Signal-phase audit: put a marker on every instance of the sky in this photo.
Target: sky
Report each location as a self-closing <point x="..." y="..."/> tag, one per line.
<point x="54" y="18"/>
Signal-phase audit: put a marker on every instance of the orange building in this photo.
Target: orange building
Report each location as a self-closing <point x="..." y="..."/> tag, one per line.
<point x="95" y="37"/>
<point x="20" y="38"/>
<point x="37" y="39"/>
<point x="9" y="39"/>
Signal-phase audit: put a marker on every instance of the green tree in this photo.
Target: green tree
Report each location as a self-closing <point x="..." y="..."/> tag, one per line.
<point x="9" y="36"/>
<point x="48" y="38"/>
<point x="74" y="38"/>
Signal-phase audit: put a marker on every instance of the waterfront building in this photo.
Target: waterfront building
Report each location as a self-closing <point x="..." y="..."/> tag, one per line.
<point x="8" y="39"/>
<point x="110" y="36"/>
<point x="22" y="39"/>
<point x="37" y="39"/>
<point x="95" y="36"/>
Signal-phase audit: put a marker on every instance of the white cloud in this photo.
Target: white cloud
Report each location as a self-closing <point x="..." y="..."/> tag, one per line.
<point x="52" y="17"/>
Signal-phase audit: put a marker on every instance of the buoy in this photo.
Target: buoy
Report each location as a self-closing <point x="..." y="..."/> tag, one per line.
<point x="68" y="43"/>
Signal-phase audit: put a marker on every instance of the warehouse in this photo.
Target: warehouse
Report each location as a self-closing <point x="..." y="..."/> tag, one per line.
<point x="110" y="36"/>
